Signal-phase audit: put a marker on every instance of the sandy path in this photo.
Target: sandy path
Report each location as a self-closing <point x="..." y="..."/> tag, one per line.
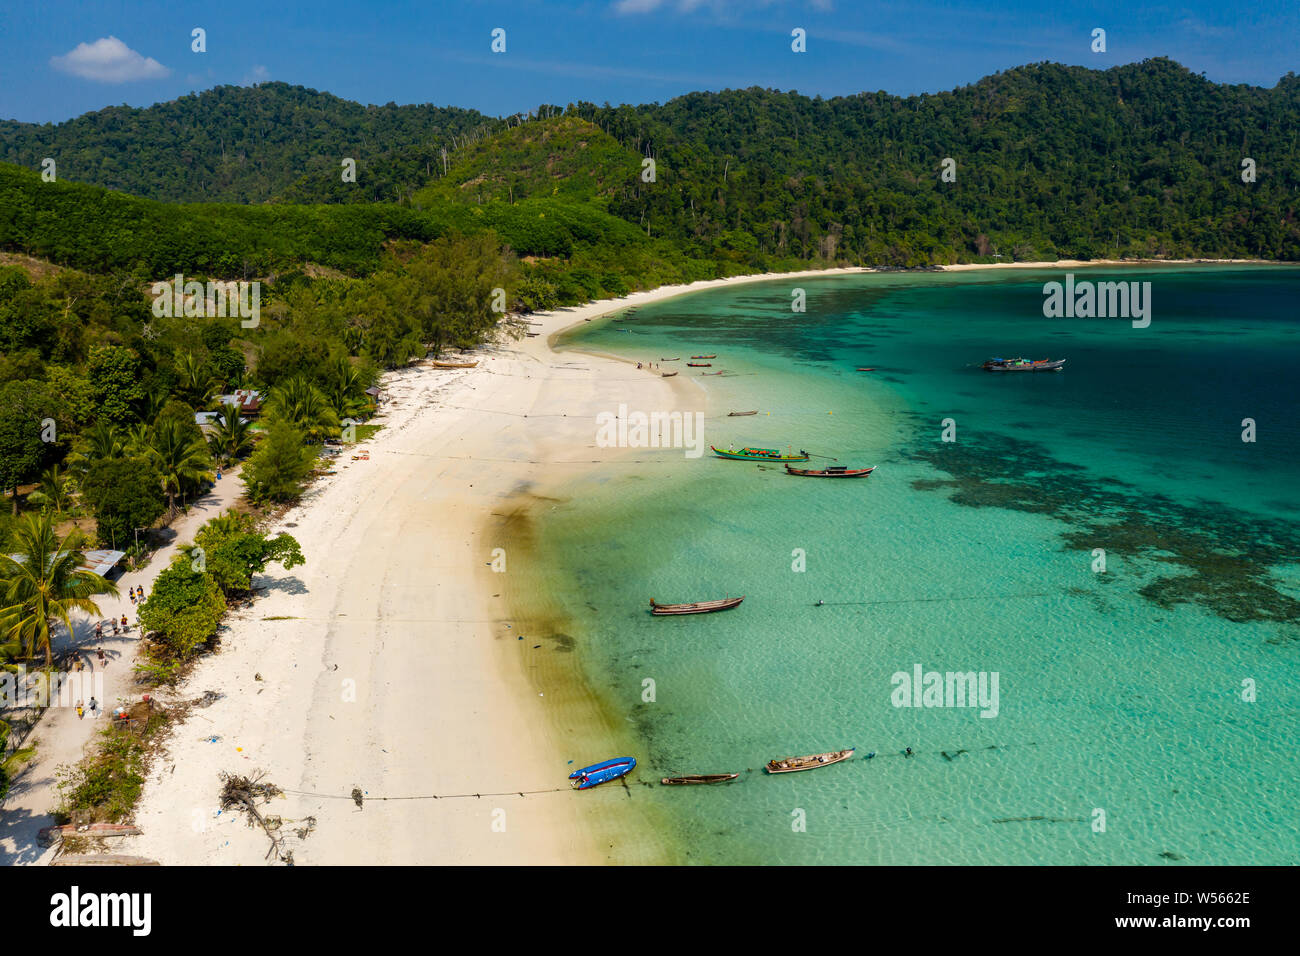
<point x="60" y="737"/>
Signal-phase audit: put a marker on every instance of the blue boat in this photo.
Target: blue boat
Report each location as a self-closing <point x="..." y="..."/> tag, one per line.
<point x="602" y="772"/>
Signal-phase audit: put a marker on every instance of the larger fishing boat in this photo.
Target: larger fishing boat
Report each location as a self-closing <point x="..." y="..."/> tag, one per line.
<point x="792" y="764"/>
<point x="1023" y="365"/>
<point x="759" y="454"/>
<point x="602" y="772"/>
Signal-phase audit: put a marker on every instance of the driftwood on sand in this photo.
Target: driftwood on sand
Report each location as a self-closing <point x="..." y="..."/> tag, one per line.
<point x="244" y="793"/>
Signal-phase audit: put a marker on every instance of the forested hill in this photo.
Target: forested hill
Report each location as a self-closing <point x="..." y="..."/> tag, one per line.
<point x="245" y="145"/>
<point x="1049" y="161"/>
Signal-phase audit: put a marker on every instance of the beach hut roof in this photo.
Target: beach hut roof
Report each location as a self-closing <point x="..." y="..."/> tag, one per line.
<point x="99" y="561"/>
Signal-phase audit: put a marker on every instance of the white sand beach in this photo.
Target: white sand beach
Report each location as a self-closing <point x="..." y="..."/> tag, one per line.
<point x="389" y="661"/>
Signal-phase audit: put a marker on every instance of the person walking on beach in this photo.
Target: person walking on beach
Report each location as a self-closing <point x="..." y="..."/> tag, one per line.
<point x="124" y="624"/>
<point x="99" y="630"/>
<point x="132" y="593"/>
<point x="139" y="591"/>
<point x="81" y="712"/>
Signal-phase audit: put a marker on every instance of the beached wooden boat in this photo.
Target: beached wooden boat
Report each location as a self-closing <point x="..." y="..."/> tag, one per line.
<point x="699" y="778"/>
<point x="811" y="762"/>
<point x="759" y="454"/>
<point x="453" y="364"/>
<point x="741" y="414"/>
<point x="532" y="335"/>
<point x="700" y="364"/>
<point x="1023" y="365"/>
<point x="705" y="356"/>
<point x="699" y="607"/>
<point x="669" y="374"/>
<point x="835" y="471"/>
<point x="602" y="772"/>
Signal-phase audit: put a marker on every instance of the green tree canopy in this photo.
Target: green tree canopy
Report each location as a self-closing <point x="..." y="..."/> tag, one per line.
<point x="124" y="493"/>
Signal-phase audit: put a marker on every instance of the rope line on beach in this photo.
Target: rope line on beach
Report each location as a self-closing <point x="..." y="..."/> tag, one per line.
<point x="428" y="796"/>
<point x="538" y="461"/>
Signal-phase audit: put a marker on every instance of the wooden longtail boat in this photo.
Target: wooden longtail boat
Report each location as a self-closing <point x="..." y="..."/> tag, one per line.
<point x="700" y="607"/>
<point x="759" y="454"/>
<point x="678" y="359"/>
<point x="1023" y="365"/>
<point x="453" y="364"/>
<point x="835" y="471"/>
<point x="711" y="373"/>
<point x="866" y="370"/>
<point x="792" y="764"/>
<point x="699" y="778"/>
<point x="602" y="772"/>
<point x="741" y="414"/>
<point x="669" y="374"/>
<point x="700" y="364"/>
<point x="714" y="355"/>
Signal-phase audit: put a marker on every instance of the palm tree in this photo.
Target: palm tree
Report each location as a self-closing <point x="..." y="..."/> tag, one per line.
<point x="99" y="443"/>
<point x="346" y="390"/>
<point x="136" y="439"/>
<point x="181" y="456"/>
<point x="196" y="382"/>
<point x="55" y="490"/>
<point x="45" y="585"/>
<point x="153" y="403"/>
<point x="302" y="405"/>
<point x="232" y="435"/>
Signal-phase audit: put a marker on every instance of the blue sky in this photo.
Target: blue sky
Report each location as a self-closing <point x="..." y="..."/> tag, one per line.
<point x="61" y="58"/>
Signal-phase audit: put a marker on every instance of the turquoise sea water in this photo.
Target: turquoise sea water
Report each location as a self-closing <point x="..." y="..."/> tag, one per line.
<point x="1120" y="692"/>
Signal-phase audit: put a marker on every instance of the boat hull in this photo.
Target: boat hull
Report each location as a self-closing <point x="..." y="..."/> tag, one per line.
<point x="602" y="772"/>
<point x="813" y="762"/>
<point x="1041" y="366"/>
<point x="758" y="454"/>
<point x="830" y="473"/>
<point x="699" y="778"/>
<point x="700" y="607"/>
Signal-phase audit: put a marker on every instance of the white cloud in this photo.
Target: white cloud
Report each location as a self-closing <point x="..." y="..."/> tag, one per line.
<point x="258" y="74"/>
<point x="108" y="60"/>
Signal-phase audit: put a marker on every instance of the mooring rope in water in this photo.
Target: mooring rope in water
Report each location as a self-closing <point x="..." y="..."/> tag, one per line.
<point x="970" y="597"/>
<point x="908" y="753"/>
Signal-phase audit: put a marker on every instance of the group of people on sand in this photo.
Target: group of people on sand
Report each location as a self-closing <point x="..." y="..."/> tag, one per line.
<point x="649" y="365"/>
<point x="119" y="627"/>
